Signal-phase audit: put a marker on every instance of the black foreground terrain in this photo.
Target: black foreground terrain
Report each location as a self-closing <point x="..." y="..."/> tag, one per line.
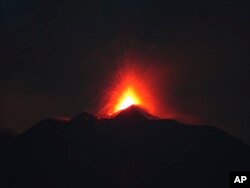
<point x="132" y="149"/>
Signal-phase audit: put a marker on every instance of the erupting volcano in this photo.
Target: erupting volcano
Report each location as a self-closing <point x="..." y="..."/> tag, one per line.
<point x="128" y="98"/>
<point x="132" y="85"/>
<point x="129" y="90"/>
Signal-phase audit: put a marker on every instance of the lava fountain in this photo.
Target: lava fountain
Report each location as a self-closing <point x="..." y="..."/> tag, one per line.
<point x="128" y="98"/>
<point x="132" y="85"/>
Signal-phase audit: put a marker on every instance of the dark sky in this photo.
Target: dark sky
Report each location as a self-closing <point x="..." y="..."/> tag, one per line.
<point x="56" y="57"/>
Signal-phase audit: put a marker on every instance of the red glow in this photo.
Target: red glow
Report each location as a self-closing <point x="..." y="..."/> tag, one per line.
<point x="149" y="82"/>
<point x="131" y="86"/>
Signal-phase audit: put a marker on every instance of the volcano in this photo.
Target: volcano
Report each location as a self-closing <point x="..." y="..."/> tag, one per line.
<point x="130" y="149"/>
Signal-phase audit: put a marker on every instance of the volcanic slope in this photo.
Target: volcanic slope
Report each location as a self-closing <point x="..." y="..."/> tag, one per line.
<point x="131" y="149"/>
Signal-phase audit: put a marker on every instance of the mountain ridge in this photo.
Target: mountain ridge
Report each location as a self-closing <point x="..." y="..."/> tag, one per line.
<point x="127" y="150"/>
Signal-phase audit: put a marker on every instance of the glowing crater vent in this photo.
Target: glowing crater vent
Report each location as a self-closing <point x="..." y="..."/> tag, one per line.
<point x="131" y="86"/>
<point x="127" y="99"/>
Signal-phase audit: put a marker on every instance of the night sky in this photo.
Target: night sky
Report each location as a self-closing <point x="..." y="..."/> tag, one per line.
<point x="57" y="57"/>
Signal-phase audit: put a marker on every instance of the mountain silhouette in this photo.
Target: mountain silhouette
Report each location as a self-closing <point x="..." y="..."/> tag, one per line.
<point x="130" y="149"/>
<point x="6" y="135"/>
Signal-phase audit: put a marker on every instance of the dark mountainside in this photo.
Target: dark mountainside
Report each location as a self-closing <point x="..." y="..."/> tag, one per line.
<point x="6" y="135"/>
<point x="128" y="150"/>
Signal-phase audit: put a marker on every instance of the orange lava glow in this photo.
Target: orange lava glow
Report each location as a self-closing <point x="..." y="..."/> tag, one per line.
<point x="131" y="86"/>
<point x="128" y="98"/>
